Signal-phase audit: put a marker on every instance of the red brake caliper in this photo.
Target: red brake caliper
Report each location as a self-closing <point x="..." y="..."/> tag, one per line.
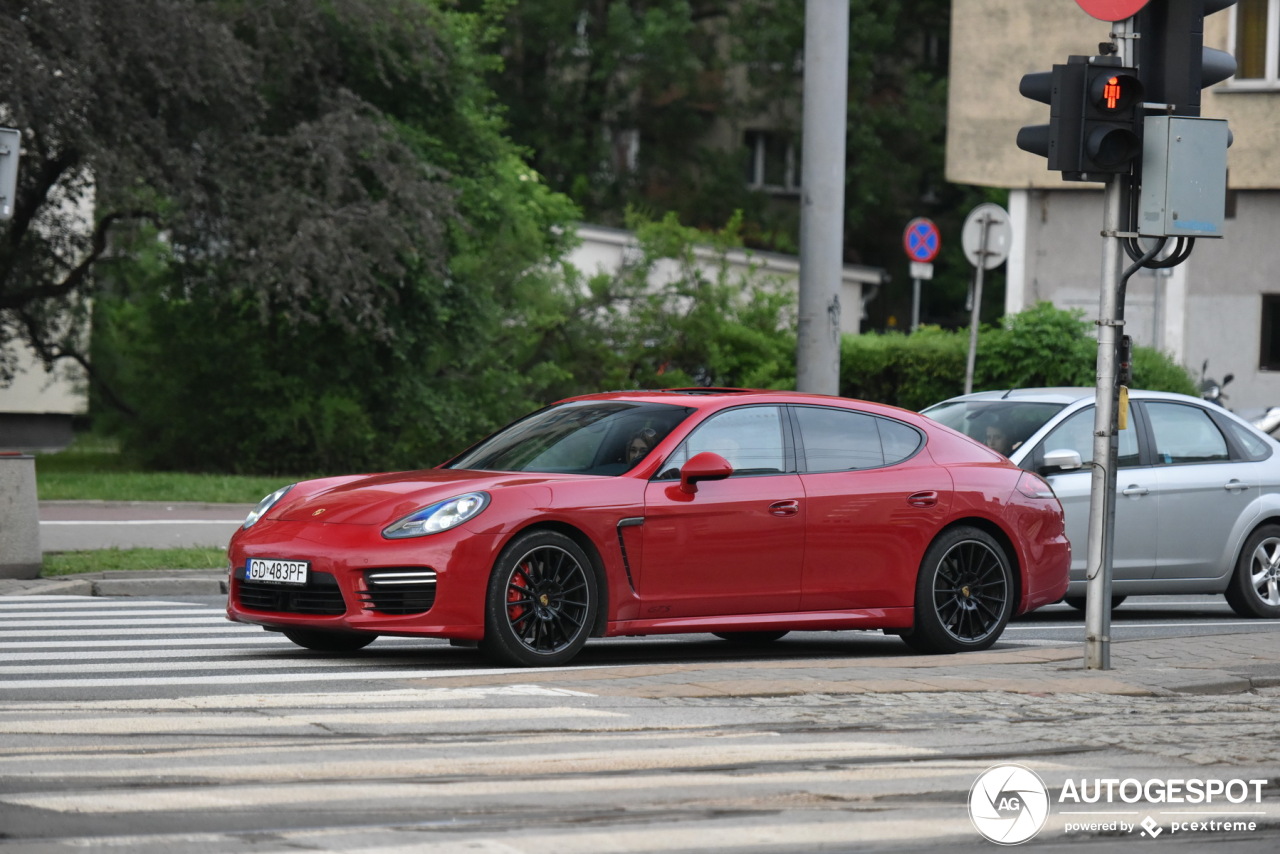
<point x="518" y="579"/>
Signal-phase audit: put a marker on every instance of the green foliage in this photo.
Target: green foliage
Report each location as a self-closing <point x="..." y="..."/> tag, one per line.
<point x="1042" y="346"/>
<point x="680" y="313"/>
<point x="212" y="374"/>
<point x="582" y="79"/>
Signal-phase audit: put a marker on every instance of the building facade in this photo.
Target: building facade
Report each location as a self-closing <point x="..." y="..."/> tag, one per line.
<point x="1223" y="305"/>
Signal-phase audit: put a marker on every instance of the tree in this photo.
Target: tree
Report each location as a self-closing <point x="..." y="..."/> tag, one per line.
<point x="308" y="243"/>
<point x="685" y="79"/>
<point x="263" y="140"/>
<point x="611" y="97"/>
<point x="676" y="314"/>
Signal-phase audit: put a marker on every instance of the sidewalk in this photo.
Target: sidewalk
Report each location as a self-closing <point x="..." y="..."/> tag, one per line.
<point x="1206" y="664"/>
<point x="152" y="582"/>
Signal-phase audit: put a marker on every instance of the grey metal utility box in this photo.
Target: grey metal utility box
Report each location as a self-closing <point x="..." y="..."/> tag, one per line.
<point x="1184" y="177"/>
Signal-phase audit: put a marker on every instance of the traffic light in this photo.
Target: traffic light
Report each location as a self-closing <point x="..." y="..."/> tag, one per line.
<point x="1111" y="129"/>
<point x="1171" y="53"/>
<point x="1095" y="117"/>
<point x="1058" y="141"/>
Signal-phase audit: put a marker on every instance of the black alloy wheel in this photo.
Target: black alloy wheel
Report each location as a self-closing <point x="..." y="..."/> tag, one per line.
<point x="326" y="641"/>
<point x="541" y="603"/>
<point x="964" y="593"/>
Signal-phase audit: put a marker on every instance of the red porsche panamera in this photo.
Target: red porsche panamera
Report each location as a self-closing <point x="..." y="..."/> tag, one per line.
<point x="742" y="513"/>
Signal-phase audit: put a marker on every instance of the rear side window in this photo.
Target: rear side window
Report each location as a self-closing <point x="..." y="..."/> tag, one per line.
<point x="844" y="440"/>
<point x="1185" y="434"/>
<point x="1254" y="446"/>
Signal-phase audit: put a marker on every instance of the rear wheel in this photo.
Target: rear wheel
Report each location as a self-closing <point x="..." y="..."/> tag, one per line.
<point x="541" y="602"/>
<point x="964" y="593"/>
<point x="1254" y="590"/>
<point x="323" y="641"/>
<point x="751" y="638"/>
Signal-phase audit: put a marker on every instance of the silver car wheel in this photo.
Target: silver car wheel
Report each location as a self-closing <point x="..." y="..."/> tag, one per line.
<point x="1265" y="571"/>
<point x="1254" y="589"/>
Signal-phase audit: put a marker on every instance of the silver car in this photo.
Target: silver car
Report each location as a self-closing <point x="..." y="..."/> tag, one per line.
<point x="1197" y="492"/>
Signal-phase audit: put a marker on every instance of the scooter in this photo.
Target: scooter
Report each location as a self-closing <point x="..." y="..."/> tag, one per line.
<point x="1211" y="389"/>
<point x="1269" y="422"/>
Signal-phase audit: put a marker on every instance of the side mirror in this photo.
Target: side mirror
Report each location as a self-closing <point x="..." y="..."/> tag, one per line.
<point x="704" y="466"/>
<point x="1062" y="459"/>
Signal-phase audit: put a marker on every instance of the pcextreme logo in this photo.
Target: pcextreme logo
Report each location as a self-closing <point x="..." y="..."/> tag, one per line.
<point x="1008" y="804"/>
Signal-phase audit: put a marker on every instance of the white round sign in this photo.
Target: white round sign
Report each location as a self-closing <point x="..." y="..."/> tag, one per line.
<point x="987" y="236"/>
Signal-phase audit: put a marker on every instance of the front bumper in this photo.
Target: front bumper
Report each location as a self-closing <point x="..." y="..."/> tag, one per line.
<point x="359" y="581"/>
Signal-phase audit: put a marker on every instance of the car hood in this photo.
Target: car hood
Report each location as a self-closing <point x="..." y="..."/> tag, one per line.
<point x="384" y="498"/>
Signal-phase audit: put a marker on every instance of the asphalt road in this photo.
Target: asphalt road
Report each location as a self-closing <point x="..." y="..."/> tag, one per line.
<point x="80" y="525"/>
<point x="157" y="726"/>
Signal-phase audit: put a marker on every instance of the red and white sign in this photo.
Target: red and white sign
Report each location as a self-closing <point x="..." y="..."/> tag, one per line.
<point x="1112" y="10"/>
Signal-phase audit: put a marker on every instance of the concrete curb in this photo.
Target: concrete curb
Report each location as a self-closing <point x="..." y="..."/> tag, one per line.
<point x="154" y="582"/>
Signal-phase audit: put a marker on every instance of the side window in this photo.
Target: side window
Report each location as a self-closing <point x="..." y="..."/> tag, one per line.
<point x="1185" y="434"/>
<point x="842" y="440"/>
<point x="750" y="438"/>
<point x="1076" y="434"/>
<point x="1254" y="446"/>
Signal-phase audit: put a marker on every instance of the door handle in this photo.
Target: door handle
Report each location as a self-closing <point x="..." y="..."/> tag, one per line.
<point x="785" y="508"/>
<point x="923" y="499"/>
<point x="1135" y="490"/>
<point x="1234" y="485"/>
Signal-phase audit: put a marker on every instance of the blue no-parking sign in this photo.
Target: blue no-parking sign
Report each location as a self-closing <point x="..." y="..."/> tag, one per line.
<point x="921" y="240"/>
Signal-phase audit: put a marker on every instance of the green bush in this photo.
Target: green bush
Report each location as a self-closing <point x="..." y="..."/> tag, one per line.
<point x="1042" y="346"/>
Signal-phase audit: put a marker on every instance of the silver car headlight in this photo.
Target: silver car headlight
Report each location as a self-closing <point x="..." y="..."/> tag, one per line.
<point x="264" y="505"/>
<point x="438" y="517"/>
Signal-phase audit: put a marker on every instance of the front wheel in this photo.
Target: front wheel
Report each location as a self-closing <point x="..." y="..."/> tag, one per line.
<point x="323" y="641"/>
<point x="541" y="602"/>
<point x="1254" y="590"/>
<point x="964" y="593"/>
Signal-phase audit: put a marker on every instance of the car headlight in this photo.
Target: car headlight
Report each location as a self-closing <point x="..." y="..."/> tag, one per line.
<point x="440" y="516"/>
<point x="264" y="505"/>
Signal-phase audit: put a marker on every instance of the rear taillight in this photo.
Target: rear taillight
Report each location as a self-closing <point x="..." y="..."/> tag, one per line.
<point x="1034" y="486"/>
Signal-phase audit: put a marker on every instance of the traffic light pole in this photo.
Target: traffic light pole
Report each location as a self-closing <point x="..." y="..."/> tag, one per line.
<point x="1102" y="495"/>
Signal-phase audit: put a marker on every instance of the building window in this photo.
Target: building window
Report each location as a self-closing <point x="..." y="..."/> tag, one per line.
<point x="1255" y="39"/>
<point x="773" y="162"/>
<point x="1269" y="359"/>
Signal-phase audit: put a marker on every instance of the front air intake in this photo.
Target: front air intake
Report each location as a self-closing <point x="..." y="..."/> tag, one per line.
<point x="399" y="591"/>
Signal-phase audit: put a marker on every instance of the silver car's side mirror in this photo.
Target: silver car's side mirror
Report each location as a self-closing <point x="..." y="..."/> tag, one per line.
<point x="1063" y="459"/>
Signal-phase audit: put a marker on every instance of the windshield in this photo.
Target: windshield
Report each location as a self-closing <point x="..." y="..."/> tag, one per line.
<point x="1002" y="425"/>
<point x="585" y="437"/>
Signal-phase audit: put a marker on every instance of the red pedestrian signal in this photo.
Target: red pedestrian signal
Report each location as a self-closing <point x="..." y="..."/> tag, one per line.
<point x="1111" y="122"/>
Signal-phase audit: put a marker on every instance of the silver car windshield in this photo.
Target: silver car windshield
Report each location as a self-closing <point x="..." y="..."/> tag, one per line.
<point x="1002" y="425"/>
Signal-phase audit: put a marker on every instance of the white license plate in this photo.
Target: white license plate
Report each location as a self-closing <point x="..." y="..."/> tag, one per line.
<point x="277" y="571"/>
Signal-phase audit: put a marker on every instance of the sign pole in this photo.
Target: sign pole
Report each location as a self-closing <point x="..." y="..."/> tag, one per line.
<point x="915" y="303"/>
<point x="922" y="241"/>
<point x="971" y="363"/>
<point x="985" y="238"/>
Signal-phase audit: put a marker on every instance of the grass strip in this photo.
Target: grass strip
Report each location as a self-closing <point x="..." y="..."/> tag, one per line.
<point x="108" y="560"/>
